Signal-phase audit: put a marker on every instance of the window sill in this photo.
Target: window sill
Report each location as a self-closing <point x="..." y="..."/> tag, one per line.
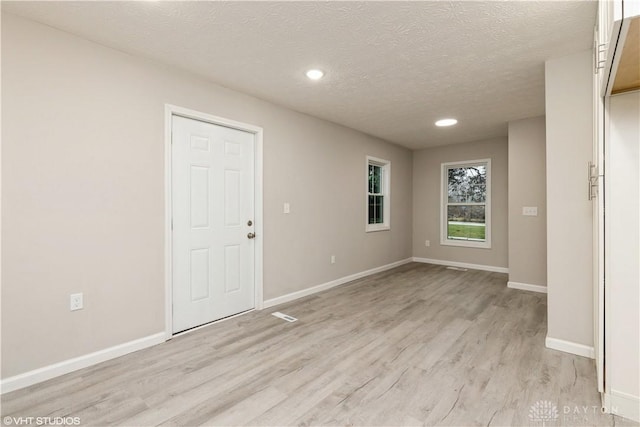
<point x="377" y="227"/>
<point x="465" y="244"/>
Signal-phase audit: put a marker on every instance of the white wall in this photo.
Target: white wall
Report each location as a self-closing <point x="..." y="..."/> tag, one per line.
<point x="527" y="187"/>
<point x="623" y="254"/>
<point x="427" y="203"/>
<point x="569" y="130"/>
<point x="83" y="193"/>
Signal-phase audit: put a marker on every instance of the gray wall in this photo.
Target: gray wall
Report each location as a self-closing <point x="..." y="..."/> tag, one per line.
<point x="527" y="187"/>
<point x="569" y="129"/>
<point x="426" y="202"/>
<point x="83" y="193"/>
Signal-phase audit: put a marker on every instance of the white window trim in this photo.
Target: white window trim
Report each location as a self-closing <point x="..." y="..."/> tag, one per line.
<point x="386" y="192"/>
<point x="444" y="193"/>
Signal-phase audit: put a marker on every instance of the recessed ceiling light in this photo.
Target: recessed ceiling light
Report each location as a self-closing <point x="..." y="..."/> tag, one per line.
<point x="446" y="122"/>
<point x="315" y="74"/>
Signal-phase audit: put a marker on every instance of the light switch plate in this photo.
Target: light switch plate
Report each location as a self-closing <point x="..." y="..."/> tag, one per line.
<point x="530" y="211"/>
<point x="287" y="208"/>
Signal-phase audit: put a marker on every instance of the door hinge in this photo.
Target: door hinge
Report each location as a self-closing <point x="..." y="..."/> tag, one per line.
<point x="171" y="224"/>
<point x="598" y="51"/>
<point x="592" y="176"/>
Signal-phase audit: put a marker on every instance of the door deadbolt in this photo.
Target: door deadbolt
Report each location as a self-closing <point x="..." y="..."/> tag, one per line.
<point x="249" y="223"/>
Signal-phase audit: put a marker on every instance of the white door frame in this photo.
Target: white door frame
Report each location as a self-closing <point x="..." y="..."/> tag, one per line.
<point x="169" y="112"/>
<point x="598" y="232"/>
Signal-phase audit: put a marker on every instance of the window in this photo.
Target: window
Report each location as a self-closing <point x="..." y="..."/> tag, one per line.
<point x="466" y="204"/>
<point x="378" y="197"/>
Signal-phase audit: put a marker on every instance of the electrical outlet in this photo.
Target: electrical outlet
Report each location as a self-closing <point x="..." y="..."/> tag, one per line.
<point x="333" y="259"/>
<point x="427" y="243"/>
<point x="286" y="208"/>
<point x="75" y="302"/>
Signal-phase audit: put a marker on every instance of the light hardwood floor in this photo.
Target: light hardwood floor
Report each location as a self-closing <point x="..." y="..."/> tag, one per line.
<point x="416" y="345"/>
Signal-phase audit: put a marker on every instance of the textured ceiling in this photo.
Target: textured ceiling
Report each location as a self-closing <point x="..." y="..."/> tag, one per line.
<point x="392" y="68"/>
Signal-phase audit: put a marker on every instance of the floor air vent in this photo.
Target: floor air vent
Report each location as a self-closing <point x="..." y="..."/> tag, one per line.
<point x="457" y="268"/>
<point x="284" y="316"/>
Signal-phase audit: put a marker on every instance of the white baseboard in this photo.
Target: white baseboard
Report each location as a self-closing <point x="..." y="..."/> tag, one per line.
<point x="623" y="404"/>
<point x="570" y="347"/>
<point x="527" y="287"/>
<point x="462" y="264"/>
<point x="323" y="287"/>
<point x="42" y="374"/>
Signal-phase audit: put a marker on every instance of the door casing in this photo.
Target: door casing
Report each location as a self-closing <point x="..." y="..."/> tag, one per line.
<point x="173" y="110"/>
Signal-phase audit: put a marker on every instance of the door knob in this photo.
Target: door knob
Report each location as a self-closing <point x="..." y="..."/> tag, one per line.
<point x="251" y="236"/>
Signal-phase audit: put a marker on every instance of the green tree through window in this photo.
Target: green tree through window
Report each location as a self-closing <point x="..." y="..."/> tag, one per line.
<point x="378" y="194"/>
<point x="376" y="198"/>
<point x="466" y="203"/>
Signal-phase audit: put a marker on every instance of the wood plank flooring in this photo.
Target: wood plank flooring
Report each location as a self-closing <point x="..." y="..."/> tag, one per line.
<point x="416" y="345"/>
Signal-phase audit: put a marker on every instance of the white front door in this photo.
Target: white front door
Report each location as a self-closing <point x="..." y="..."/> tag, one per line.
<point x="212" y="210"/>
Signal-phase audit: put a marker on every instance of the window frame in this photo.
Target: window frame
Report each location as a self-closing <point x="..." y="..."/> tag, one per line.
<point x="444" y="203"/>
<point x="385" y="166"/>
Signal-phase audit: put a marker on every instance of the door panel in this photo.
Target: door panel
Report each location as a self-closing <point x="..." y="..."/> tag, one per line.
<point x="212" y="202"/>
